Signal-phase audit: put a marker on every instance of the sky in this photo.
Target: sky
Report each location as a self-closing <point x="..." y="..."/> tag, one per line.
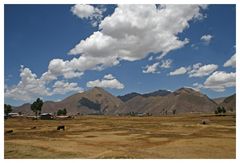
<point x="53" y="51"/>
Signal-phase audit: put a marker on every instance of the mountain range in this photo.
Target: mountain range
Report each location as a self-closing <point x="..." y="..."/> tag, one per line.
<point x="161" y="102"/>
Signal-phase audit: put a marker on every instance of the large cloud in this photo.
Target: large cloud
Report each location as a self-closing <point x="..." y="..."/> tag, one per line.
<point x="108" y="81"/>
<point x="148" y="28"/>
<point x="220" y="80"/>
<point x="58" y="67"/>
<point x="31" y="87"/>
<point x="231" y="62"/>
<point x="76" y="67"/>
<point x="133" y="31"/>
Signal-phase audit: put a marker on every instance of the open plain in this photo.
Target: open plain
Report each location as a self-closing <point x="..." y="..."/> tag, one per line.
<point x="180" y="136"/>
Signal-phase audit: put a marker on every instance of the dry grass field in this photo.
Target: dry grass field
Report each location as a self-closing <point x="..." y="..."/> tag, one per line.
<point x="122" y="137"/>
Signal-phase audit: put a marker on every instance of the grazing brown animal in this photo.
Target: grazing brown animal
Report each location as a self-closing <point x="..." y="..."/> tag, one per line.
<point x="61" y="127"/>
<point x="9" y="131"/>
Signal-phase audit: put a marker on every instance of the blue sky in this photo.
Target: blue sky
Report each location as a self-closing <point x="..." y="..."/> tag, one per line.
<point x="120" y="45"/>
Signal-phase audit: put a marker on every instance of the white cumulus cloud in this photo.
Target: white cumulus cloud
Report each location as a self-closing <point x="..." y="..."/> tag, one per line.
<point x="179" y="71"/>
<point x="200" y="70"/>
<point x="231" y="62"/>
<point x="28" y="87"/>
<point x="62" y="87"/>
<point x="128" y="39"/>
<point x="196" y="70"/>
<point x="108" y="81"/>
<point x="151" y="68"/>
<point x="206" y="38"/>
<point x="59" y="67"/>
<point x="220" y="80"/>
<point x="108" y="76"/>
<point x="85" y="11"/>
<point x="134" y="31"/>
<point x="166" y="63"/>
<point x="31" y="87"/>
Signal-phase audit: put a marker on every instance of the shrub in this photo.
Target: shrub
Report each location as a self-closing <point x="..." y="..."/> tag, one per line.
<point x="62" y="112"/>
<point x="174" y="111"/>
<point x="220" y="110"/>
<point x="7" y="109"/>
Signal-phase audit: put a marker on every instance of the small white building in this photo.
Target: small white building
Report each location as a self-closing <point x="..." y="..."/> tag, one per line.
<point x="46" y="116"/>
<point x="13" y="115"/>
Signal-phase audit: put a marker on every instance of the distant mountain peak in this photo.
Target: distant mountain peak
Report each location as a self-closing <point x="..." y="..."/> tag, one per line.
<point x="187" y="90"/>
<point x="97" y="89"/>
<point x="159" y="92"/>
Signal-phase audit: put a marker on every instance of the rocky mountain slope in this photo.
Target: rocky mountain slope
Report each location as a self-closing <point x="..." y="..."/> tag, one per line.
<point x="229" y="103"/>
<point x="183" y="100"/>
<point x="219" y="100"/>
<point x="94" y="101"/>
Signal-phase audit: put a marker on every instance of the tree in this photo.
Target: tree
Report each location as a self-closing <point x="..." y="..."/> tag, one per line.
<point x="174" y="111"/>
<point x="59" y="112"/>
<point x="223" y="110"/>
<point x="220" y="110"/>
<point x="7" y="109"/>
<point x="62" y="111"/>
<point x="36" y="106"/>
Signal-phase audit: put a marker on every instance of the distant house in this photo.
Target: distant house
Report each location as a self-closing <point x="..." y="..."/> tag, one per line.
<point x="46" y="116"/>
<point x="143" y="114"/>
<point x="13" y="115"/>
